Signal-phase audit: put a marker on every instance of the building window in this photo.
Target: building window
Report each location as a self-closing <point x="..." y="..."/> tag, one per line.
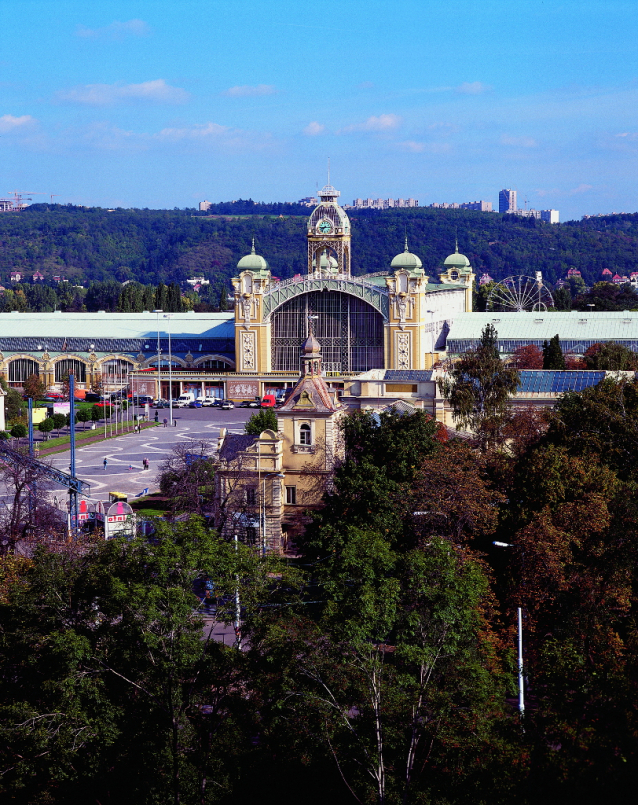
<point x="291" y="495"/>
<point x="251" y="535"/>
<point x="251" y="497"/>
<point x="305" y="435"/>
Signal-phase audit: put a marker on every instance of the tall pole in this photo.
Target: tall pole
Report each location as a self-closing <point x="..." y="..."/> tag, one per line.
<point x="33" y="491"/>
<point x="159" y="359"/>
<point x="237" y="623"/>
<point x="170" y="370"/>
<point x="521" y="688"/>
<point x="73" y="494"/>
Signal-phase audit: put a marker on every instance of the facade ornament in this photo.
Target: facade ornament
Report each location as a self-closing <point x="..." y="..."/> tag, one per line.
<point x="403" y="302"/>
<point x="247" y="304"/>
<point x="248" y="351"/>
<point x="189" y="359"/>
<point x="46" y="356"/>
<point x="403" y="350"/>
<point x="140" y="357"/>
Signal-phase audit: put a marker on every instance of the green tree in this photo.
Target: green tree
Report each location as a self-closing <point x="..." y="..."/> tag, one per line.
<point x="34" y="387"/>
<point x="46" y="426"/>
<point x="108" y="686"/>
<point x="186" y="477"/>
<point x="19" y="431"/>
<point x="83" y="415"/>
<point x="59" y="421"/>
<point x="265" y="419"/>
<point x="562" y="299"/>
<point x="553" y="357"/>
<point x="611" y="356"/>
<point x="478" y="387"/>
<point x="96" y="413"/>
<point x="13" y="407"/>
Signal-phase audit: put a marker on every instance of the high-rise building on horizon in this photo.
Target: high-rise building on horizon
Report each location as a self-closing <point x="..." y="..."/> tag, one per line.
<point x="507" y="201"/>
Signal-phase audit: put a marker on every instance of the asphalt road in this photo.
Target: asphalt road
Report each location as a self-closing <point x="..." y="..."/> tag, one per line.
<point x="124" y="471"/>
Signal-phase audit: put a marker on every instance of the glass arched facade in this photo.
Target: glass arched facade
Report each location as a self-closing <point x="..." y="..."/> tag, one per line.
<point x="21" y="368"/>
<point x="67" y="366"/>
<point x="349" y="330"/>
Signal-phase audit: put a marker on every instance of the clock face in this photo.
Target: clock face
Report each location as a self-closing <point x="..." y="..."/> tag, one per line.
<point x="325" y="226"/>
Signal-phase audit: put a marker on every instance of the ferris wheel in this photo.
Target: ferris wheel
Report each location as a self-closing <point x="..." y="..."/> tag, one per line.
<point x="517" y="294"/>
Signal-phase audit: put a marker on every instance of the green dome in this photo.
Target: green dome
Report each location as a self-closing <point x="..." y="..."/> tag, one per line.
<point x="406" y="260"/>
<point x="252" y="261"/>
<point x="457" y="260"/>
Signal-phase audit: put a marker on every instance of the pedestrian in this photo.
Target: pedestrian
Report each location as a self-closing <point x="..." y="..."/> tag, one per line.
<point x="165" y="422"/>
<point x="145" y="463"/>
<point x="105" y="462"/>
<point x="175" y="423"/>
<point x="156" y="417"/>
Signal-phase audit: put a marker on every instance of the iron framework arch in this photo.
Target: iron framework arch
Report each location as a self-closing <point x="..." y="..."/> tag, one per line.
<point x="349" y="329"/>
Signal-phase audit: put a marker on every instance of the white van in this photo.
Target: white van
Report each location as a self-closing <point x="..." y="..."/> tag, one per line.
<point x="184" y="399"/>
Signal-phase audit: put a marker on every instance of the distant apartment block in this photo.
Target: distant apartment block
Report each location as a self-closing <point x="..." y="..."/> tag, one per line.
<point x="382" y="203"/>
<point x="205" y="205"/>
<point x="507" y="204"/>
<point x="481" y="206"/>
<point x="308" y="201"/>
<point x="507" y="201"/>
<point x="6" y="205"/>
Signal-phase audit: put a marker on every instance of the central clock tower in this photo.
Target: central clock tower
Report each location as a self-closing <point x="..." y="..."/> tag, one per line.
<point x="328" y="236"/>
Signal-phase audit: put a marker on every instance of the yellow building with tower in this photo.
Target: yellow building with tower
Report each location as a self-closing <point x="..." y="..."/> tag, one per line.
<point x="395" y="319"/>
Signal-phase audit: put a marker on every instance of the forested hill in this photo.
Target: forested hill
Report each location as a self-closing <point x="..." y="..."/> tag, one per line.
<point x="95" y="244"/>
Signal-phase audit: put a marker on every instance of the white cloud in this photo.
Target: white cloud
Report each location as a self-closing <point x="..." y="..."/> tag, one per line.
<point x="9" y="123"/>
<point x="376" y="123"/>
<point x="247" y="91"/>
<point x="628" y="135"/>
<point x="582" y="188"/>
<point x="314" y="128"/>
<point x="473" y="88"/>
<point x="199" y="132"/>
<point x="116" y="30"/>
<point x="415" y="147"/>
<point x="521" y="142"/>
<point x="157" y="91"/>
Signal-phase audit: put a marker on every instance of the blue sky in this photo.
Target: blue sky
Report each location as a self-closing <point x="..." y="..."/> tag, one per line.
<point x="156" y="104"/>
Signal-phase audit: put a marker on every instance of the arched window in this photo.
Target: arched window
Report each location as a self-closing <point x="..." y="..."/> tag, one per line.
<point x="115" y="370"/>
<point x="67" y="366"/>
<point x="21" y="368"/>
<point x="215" y="365"/>
<point x="305" y="434"/>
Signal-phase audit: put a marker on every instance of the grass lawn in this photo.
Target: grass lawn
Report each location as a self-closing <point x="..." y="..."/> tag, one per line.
<point x="154" y="505"/>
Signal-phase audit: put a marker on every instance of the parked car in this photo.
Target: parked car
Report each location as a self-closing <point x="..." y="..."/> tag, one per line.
<point x="208" y="402"/>
<point x="249" y="404"/>
<point x="162" y="404"/>
<point x="91" y="396"/>
<point x="268" y="401"/>
<point x="227" y="405"/>
<point x="195" y="404"/>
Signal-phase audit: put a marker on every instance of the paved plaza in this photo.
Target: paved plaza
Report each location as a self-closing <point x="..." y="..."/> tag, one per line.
<point x="124" y="470"/>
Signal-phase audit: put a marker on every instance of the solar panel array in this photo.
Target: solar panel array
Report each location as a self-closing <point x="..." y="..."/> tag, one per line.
<point x="556" y="382"/>
<point x="407" y="375"/>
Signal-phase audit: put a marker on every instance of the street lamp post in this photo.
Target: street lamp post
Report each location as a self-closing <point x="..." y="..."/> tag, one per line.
<point x="169" y="316"/>
<point x="159" y="358"/>
<point x="521" y="684"/>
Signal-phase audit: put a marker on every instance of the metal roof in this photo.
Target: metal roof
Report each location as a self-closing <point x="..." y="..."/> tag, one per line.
<point x="91" y="327"/>
<point x="530" y="327"/>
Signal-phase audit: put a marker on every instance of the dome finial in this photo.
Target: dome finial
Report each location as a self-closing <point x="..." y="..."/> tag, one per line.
<point x="252" y="251"/>
<point x="406" y="238"/>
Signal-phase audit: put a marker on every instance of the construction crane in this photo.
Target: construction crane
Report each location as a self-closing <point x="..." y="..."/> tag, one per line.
<point x="54" y="195"/>
<point x="22" y="195"/>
